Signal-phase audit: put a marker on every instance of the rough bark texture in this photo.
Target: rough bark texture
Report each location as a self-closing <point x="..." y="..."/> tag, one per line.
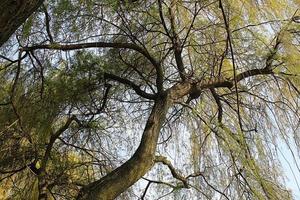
<point x="116" y="182"/>
<point x="13" y="13"/>
<point x="42" y="186"/>
<point x="119" y="180"/>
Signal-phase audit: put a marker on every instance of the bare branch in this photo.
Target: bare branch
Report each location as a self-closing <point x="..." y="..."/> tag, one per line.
<point x="131" y="84"/>
<point x="174" y="172"/>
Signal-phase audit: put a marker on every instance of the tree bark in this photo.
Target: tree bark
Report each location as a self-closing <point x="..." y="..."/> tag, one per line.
<point x="13" y="13"/>
<point x="116" y="182"/>
<point x="42" y="186"/>
<point x="119" y="180"/>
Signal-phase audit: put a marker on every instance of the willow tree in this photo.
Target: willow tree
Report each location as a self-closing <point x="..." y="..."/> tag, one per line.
<point x="182" y="98"/>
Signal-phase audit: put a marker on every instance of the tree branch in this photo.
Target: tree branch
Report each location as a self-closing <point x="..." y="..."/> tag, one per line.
<point x="131" y="84"/>
<point x="117" y="45"/>
<point x="47" y="22"/>
<point x="218" y="101"/>
<point x="174" y="172"/>
<point x="220" y="82"/>
<point x="42" y="185"/>
<point x="176" y="44"/>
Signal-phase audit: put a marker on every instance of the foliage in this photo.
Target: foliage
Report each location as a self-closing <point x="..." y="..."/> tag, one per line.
<point x="85" y="79"/>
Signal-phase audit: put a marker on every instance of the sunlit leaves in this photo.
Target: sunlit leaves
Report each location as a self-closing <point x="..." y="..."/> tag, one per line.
<point x="235" y="153"/>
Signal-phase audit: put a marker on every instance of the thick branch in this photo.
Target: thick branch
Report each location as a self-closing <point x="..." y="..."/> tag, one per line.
<point x="131" y="84"/>
<point x="176" y="44"/>
<point x="118" y="45"/>
<point x="53" y="138"/>
<point x="47" y="22"/>
<point x="68" y="47"/>
<point x="218" y="101"/>
<point x="253" y="72"/>
<point x="12" y="171"/>
<point x="229" y="83"/>
<point x="174" y="172"/>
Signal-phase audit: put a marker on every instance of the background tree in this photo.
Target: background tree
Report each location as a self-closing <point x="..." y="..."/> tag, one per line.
<point x="190" y="95"/>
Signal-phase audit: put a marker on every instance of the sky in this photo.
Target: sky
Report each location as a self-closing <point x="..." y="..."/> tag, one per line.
<point x="290" y="168"/>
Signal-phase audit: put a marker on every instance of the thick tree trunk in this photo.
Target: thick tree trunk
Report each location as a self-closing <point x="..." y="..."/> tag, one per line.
<point x="42" y="186"/>
<point x="13" y="13"/>
<point x="119" y="180"/>
<point x="116" y="182"/>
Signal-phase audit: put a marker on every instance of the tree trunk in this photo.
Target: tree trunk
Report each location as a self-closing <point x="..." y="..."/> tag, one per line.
<point x="116" y="182"/>
<point x="119" y="180"/>
<point x="42" y="186"/>
<point x="13" y="13"/>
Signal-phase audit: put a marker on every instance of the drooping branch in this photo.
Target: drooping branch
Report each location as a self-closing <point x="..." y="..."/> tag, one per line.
<point x="234" y="67"/>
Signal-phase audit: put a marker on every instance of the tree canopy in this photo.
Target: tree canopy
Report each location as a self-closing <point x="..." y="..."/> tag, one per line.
<point x="149" y="99"/>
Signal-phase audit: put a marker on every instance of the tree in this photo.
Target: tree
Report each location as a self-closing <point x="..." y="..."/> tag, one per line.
<point x="14" y="14"/>
<point x="221" y="76"/>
